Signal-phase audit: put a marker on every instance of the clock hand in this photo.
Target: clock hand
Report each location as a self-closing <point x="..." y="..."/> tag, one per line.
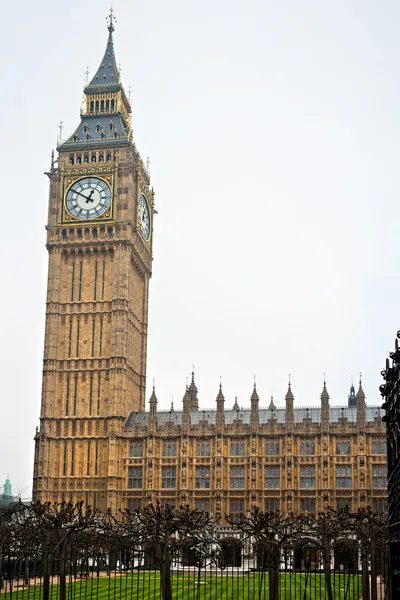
<point x="83" y="195"/>
<point x="89" y="198"/>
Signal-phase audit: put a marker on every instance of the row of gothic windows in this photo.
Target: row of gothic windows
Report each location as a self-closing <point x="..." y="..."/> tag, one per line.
<point x="237" y="449"/>
<point x="307" y="448"/>
<point x="78" y="158"/>
<point x="272" y="449"/>
<point x="343" y="448"/>
<point x="203" y="449"/>
<point x="378" y="447"/>
<point x="169" y="449"/>
<point x="135" y="449"/>
<point x="102" y="105"/>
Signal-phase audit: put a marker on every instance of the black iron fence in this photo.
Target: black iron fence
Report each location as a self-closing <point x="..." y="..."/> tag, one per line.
<point x="68" y="553"/>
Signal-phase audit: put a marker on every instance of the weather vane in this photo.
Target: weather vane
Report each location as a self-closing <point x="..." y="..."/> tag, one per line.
<point x="111" y="19"/>
<point x="87" y="75"/>
<point x="60" y="127"/>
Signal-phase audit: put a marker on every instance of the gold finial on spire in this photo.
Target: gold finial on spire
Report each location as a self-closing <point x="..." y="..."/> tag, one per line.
<point x="60" y="127"/>
<point x="111" y="20"/>
<point x="87" y="76"/>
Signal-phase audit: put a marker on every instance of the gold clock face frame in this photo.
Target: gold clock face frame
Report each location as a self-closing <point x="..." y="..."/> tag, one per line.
<point x="80" y="190"/>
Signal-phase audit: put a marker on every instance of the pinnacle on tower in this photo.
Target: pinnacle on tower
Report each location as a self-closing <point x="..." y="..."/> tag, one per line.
<point x="236" y="405"/>
<point x="324" y="393"/>
<point x="289" y="393"/>
<point x="272" y="404"/>
<point x="254" y="395"/>
<point x="220" y="397"/>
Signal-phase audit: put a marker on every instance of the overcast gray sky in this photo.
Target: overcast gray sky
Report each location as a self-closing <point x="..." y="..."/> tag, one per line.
<point x="273" y="133"/>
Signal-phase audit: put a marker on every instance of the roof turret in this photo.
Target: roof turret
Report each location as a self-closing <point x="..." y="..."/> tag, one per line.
<point x="106" y="109"/>
<point x="236" y="405"/>
<point x="107" y="75"/>
<point x="352" y="402"/>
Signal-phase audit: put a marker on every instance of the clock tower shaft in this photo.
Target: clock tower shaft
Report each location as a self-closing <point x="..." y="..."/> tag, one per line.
<point x="94" y="370"/>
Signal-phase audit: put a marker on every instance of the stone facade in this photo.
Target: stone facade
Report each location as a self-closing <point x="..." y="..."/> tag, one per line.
<point x="228" y="460"/>
<point x="95" y="441"/>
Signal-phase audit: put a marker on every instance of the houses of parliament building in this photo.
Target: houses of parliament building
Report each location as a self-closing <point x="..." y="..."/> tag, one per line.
<point x="96" y="442"/>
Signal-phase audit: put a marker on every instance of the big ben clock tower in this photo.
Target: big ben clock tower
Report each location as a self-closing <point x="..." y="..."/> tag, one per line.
<point x="99" y="239"/>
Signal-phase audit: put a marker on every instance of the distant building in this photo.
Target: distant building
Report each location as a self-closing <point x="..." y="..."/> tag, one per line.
<point x="6" y="497"/>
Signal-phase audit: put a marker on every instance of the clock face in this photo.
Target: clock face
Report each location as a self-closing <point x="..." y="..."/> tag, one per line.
<point x="88" y="198"/>
<point x="144" y="217"/>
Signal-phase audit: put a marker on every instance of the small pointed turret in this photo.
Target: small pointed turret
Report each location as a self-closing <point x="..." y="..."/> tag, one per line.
<point x="236" y="405"/>
<point x="272" y="404"/>
<point x="186" y="420"/>
<point x="325" y="409"/>
<point x="220" y="416"/>
<point x="153" y="409"/>
<point x="194" y="401"/>
<point x="360" y="403"/>
<point x="352" y="402"/>
<point x="254" y="409"/>
<point x="289" y="402"/>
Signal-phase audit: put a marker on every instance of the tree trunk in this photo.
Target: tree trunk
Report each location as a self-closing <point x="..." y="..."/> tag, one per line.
<point x="273" y="574"/>
<point x="46" y="573"/>
<point x="165" y="570"/>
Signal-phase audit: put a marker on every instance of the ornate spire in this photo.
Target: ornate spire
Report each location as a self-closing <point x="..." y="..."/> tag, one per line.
<point x="272" y="404"/>
<point x="107" y="74"/>
<point x="106" y="109"/>
<point x="236" y="405"/>
<point x="194" y="401"/>
<point x="289" y="401"/>
<point x="153" y="408"/>
<point x="254" y="408"/>
<point x="352" y="402"/>
<point x="325" y="408"/>
<point x="360" y="403"/>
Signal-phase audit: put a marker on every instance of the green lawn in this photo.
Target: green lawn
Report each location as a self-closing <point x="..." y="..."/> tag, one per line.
<point x="145" y="585"/>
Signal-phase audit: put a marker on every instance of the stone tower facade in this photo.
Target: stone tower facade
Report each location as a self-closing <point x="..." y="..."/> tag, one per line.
<point x="99" y="240"/>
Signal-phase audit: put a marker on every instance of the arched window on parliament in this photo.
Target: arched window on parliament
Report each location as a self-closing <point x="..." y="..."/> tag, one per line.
<point x="272" y="449"/>
<point x="203" y="449"/>
<point x="379" y="447"/>
<point x="169" y="449"/>
<point x="136" y="449"/>
<point x="307" y="448"/>
<point x="343" y="447"/>
<point x="237" y="449"/>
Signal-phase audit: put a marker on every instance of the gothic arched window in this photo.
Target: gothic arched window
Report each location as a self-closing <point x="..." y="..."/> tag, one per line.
<point x="102" y="106"/>
<point x="267" y="449"/>
<point x="86" y="158"/>
<point x="198" y="449"/>
<point x="108" y="156"/>
<point x="71" y="159"/>
<point x="93" y="156"/>
<point x="107" y="105"/>
<point x="91" y="106"/>
<point x="337" y="447"/>
<point x="277" y="448"/>
<point x="241" y="449"/>
<point x="101" y="156"/>
<point x="208" y="450"/>
<point x="312" y="448"/>
<point x="348" y="449"/>
<point x="112" y="104"/>
<point x="373" y="447"/>
<point x="343" y="448"/>
<point x="97" y="106"/>
<point x="79" y="158"/>
<point x="302" y="448"/>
